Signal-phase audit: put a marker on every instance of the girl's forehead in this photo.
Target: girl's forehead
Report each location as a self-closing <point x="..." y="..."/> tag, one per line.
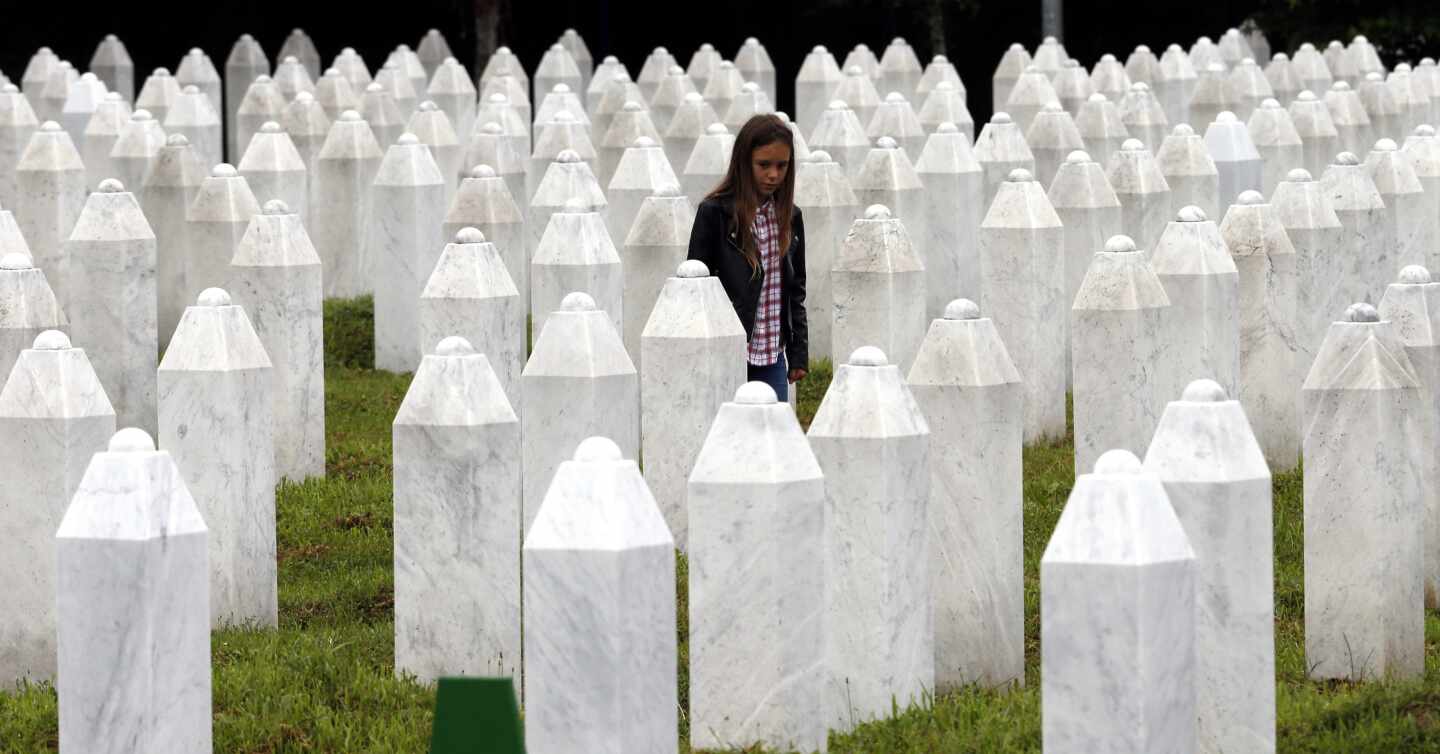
<point x="773" y="150"/>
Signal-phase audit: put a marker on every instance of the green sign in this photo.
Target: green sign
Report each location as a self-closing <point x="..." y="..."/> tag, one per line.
<point x="476" y="716"/>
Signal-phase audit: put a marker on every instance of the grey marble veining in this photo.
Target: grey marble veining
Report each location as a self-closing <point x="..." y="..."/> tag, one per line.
<point x="470" y="294"/>
<point x="193" y="115"/>
<point x="1238" y="162"/>
<point x="216" y="420"/>
<point x="576" y="254"/>
<point x="1365" y="257"/>
<point x="600" y="648"/>
<point x="1352" y="122"/>
<point x="568" y="178"/>
<point x="953" y="183"/>
<point x="132" y="598"/>
<point x="1411" y="228"/>
<point x="1190" y="171"/>
<point x="170" y="188"/>
<point x="1202" y="325"/>
<point x="1315" y="231"/>
<point x="305" y="121"/>
<point x="654" y="247"/>
<point x="823" y="191"/>
<point x="450" y="88"/>
<point x="1145" y="203"/>
<point x="262" y="103"/>
<point x="112" y="64"/>
<point x="1277" y="141"/>
<point x="1000" y="149"/>
<point x="1117" y="618"/>
<point x="407" y="212"/>
<point x="51" y="180"/>
<point x="457" y="520"/>
<point x="485" y="202"/>
<point x="345" y="171"/>
<point x="53" y="416"/>
<point x="27" y="308"/>
<point x="274" y="169"/>
<point x="1089" y="213"/>
<point x="488" y="145"/>
<point x="878" y="288"/>
<point x="275" y="275"/>
<point x="878" y="615"/>
<point x="641" y="172"/>
<point x="972" y="398"/>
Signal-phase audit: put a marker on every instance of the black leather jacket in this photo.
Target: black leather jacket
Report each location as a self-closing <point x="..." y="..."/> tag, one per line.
<point x="713" y="241"/>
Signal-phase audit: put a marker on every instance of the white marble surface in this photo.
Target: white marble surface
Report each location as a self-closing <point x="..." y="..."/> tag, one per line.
<point x="692" y="352"/>
<point x="840" y="132"/>
<point x="245" y="64"/>
<point x="1202" y="324"/>
<point x="1239" y="164"/>
<point x="111" y="63"/>
<point x="275" y="276"/>
<point x="1352" y="123"/>
<point x="857" y="90"/>
<point x="1000" y="148"/>
<point x="196" y="69"/>
<point x="1117" y="618"/>
<point x="576" y="254"/>
<point x="193" y="115"/>
<point x="1423" y="149"/>
<point x="878" y="286"/>
<point x="488" y="145"/>
<point x="1190" y="172"/>
<point x="1211" y="97"/>
<point x="1278" y="143"/>
<point x="1053" y="135"/>
<point x="687" y="125"/>
<point x="600" y="648"/>
<point x="1143" y="115"/>
<point x="485" y="201"/>
<point x="630" y="123"/>
<point x="53" y="416"/>
<point x="1101" y="128"/>
<point x="1109" y="78"/>
<point x="1410" y="226"/>
<point x="274" y="169"/>
<point x="345" y="171"/>
<point x="972" y="398"/>
<point x="1072" y="86"/>
<point x="1365" y="512"/>
<point x="1412" y="305"/>
<point x="470" y="294"/>
<point x="56" y="86"/>
<point x="136" y="150"/>
<point x="17" y="124"/>
<point x="432" y="127"/>
<point x="878" y="615"/>
<point x="457" y="479"/>
<point x="668" y="97"/>
<point x="888" y="177"/>
<point x="170" y="188"/>
<point x="750" y="101"/>
<point x="132" y="597"/>
<point x="407" y="212"/>
<point x="111" y="264"/>
<point x="1022" y="251"/>
<point x="569" y="178"/>
<point x="1089" y="213"/>
<point x="552" y="139"/>
<point x="214" y="224"/>
<point x="12" y="240"/>
<point x="1118" y="353"/>
<point x="382" y="114"/>
<point x="708" y="161"/>
<point x="51" y="180"/>
<point x="823" y="191"/>
<point x="1314" y="228"/>
<point x="450" y="88"/>
<point x="101" y="133"/>
<point x="262" y="102"/>
<point x="217" y="421"/>
<point x="1266" y="262"/>
<point x="578" y="382"/>
<point x="654" y="247"/>
<point x="946" y="104"/>
<point x="816" y="79"/>
<point x="642" y="172"/>
<point x="1145" y="204"/>
<point x="1320" y="142"/>
<point x="894" y="117"/>
<point x="1014" y="60"/>
<point x="557" y="66"/>
<point x="1219" y="485"/>
<point x="27" y="308"/>
<point x="1032" y="91"/>
<point x="953" y="182"/>
<point x="1248" y="87"/>
<point x="1366" y="255"/>
<point x="81" y="101"/>
<point x="335" y="92"/>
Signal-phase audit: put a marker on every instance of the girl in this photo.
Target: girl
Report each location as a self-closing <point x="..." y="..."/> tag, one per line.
<point x="750" y="234"/>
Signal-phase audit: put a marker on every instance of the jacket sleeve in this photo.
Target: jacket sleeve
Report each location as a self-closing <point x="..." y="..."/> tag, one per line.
<point x="797" y="349"/>
<point x="705" y="236"/>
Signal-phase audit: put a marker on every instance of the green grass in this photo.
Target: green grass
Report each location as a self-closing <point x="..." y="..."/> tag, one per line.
<point x="324" y="681"/>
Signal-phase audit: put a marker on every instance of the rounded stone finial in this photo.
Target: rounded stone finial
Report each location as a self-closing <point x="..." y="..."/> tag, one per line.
<point x="1204" y="391"/>
<point x="962" y="308"/>
<point x="87" y="76"/>
<point x="468" y="234"/>
<point x="1051" y="107"/>
<point x="1017" y="47"/>
<point x="16" y="260"/>
<point x="9" y="89"/>
<point x="177" y="140"/>
<point x="131" y="440"/>
<point x="1298" y="175"/>
<point x="631" y="106"/>
<point x="270" y="127"/>
<point x="1117" y="461"/>
<point x="373" y="87"/>
<point x="837" y="104"/>
<point x="694" y="98"/>
<point x="1270" y="103"/>
<point x="50" y="126"/>
<point x="494" y="128"/>
<point x="428" y="106"/>
<point x="1340" y="86"/>
<point x="454" y="345"/>
<point x="1096" y="97"/>
<point x="854" y="70"/>
<point x="408" y="140"/>
<point x="1215" y="68"/>
<point x="877" y="212"/>
<point x="868" y="356"/>
<point x="945" y="86"/>
<point x="1414" y="274"/>
<point x="1132" y="145"/>
<point x="1107" y="58"/>
<point x="716" y="129"/>
<point x="1386" y="145"/>
<point x="1190" y="214"/>
<point x="568" y="156"/>
<point x="1373" y="76"/>
<point x="1305" y="96"/>
<point x="1032" y="68"/>
<point x="1250" y="198"/>
<point x="1142" y="49"/>
<point x="577" y="301"/>
<point x="597" y="450"/>
<point x="1001" y="117"/>
<point x="213" y="297"/>
<point x="1347" y="158"/>
<point x="51" y="340"/>
<point x="190" y="89"/>
<point x="947" y="128"/>
<point x="692" y="268"/>
<point x="1118" y="244"/>
<point x="560" y="89"/>
<point x="1425" y="130"/>
<point x="644" y="142"/>
<point x="576" y="205"/>
<point x="1280" y="57"/>
<point x="1226" y="116"/>
<point x="350" y="116"/>
<point x="499" y="99"/>
<point x="110" y="186"/>
<point x="894" y="98"/>
<point x="141" y="115"/>
<point x="755" y="394"/>
<point x="1020" y="175"/>
<point x="1361" y="312"/>
<point x="482" y="171"/>
<point x="820" y="155"/>
<point x="276" y="207"/>
<point x="1077" y="157"/>
<point x="750" y="87"/>
<point x="885" y="142"/>
<point x="224" y="170"/>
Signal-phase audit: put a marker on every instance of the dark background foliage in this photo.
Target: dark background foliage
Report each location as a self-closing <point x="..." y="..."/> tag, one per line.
<point x="973" y="33"/>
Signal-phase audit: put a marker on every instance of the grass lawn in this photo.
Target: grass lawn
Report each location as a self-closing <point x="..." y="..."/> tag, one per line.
<point x="324" y="682"/>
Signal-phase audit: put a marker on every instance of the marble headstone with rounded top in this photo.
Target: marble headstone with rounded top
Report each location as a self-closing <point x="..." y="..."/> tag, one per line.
<point x="274" y="169"/>
<point x="1000" y="148"/>
<point x="972" y="398"/>
<point x="857" y="90"/>
<point x="307" y="124"/>
<point x="1248" y="87"/>
<point x="878" y="284"/>
<point x="1367" y="248"/>
<point x="557" y="66"/>
<point x="335" y="93"/>
<point x="345" y="171"/>
<point x="569" y="178"/>
<point x="407" y="212"/>
<point x="214" y="224"/>
<point x="576" y="254"/>
<point x="899" y="67"/>
<point x="1118" y="680"/>
<point x="1101" y="128"/>
<point x="432" y="127"/>
<point x="1423" y="150"/>
<point x="53" y="416"/>
<point x="99" y="137"/>
<point x="1411" y="227"/>
<point x="136" y="150"/>
<point x="1143" y="115"/>
<point x="262" y="103"/>
<point x="888" y="177"/>
<point x="641" y="172"/>
<point x="245" y="64"/>
<point x="1352" y="122"/>
<point x="171" y="186"/>
<point x="1309" y="219"/>
<point x="1052" y="137"/>
<point x="1365" y="512"/>
<point x="1032" y="91"/>
<point x="193" y="115"/>
<point x="894" y="117"/>
<point x="299" y="45"/>
<point x="631" y="123"/>
<point x="488" y="145"/>
<point x="749" y="102"/>
<point x="81" y="102"/>
<point x="484" y="201"/>
<point x="1109" y="78"/>
<point x="1144" y="193"/>
<point x="1011" y="64"/>
<point x="708" y="162"/>
<point x="17" y="124"/>
<point x="27" y="308"/>
<point x="1211" y="96"/>
<point x="953" y="181"/>
<point x="1320" y="141"/>
<point x="111" y="63"/>
<point x="1203" y="322"/>
<point x="1190" y="171"/>
<point x="656" y="244"/>
<point x="216" y="419"/>
<point x="839" y="132"/>
<point x="600" y="647"/>
<point x="471" y="294"/>
<point x="816" y="79"/>
<point x="457" y="479"/>
<point x="689" y="122"/>
<point x="674" y="88"/>
<point x="823" y="191"/>
<point x="1072" y="86"/>
<point x="50" y="179"/>
<point x="878" y="614"/>
<point x="946" y="104"/>
<point x="451" y="89"/>
<point x="1277" y="141"/>
<point x="1236" y="159"/>
<point x="1089" y="213"/>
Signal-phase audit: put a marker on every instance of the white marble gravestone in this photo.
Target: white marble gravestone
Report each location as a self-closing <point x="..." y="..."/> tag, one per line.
<point x="690" y="121"/>
<point x="1366" y="254"/>
<point x="946" y="104"/>
<point x="600" y="585"/>
<point x="1032" y="91"/>
<point x="1118" y="680"/>
<point x="1315" y="231"/>
<point x="749" y="102"/>
<point x="631" y="123"/>
<point x="432" y="127"/>
<point x="568" y="178"/>
<point x="17" y="124"/>
<point x="1108" y="77"/>
<point x="1423" y="149"/>
<point x="899" y="68"/>
<point x="132" y="596"/>
<point x="382" y="113"/>
<point x="400" y="88"/>
<point x="111" y="268"/>
<point x="1143" y="65"/>
<point x="53" y="416"/>
<point x="193" y="114"/>
<point x="1248" y="87"/>
<point x="1089" y="213"/>
<point x="1352" y="123"/>
<point x="1320" y="141"/>
<point x="1000" y="148"/>
<point x="1190" y="171"/>
<point x="611" y="67"/>
<point x="1283" y="78"/>
<point x="158" y="94"/>
<point x="170" y="188"/>
<point x="274" y="169"/>
<point x="621" y="90"/>
<point x="1202" y="324"/>
<point x="823" y="191"/>
<point x="263" y="103"/>
<point x="1413" y="305"/>
<point x="275" y="276"/>
<point x="50" y="179"/>
<point x="1266" y="262"/>
<point x="81" y="102"/>
<point x="580" y="53"/>
<point x="307" y="123"/>
<point x="672" y="93"/>
<point x="1022" y="252"/>
<point x="489" y="145"/>
<point x="878" y="284"/>
<point x="98" y="139"/>
<point x="576" y="254"/>
<point x="1072" y="86"/>
<point x="641" y="172"/>
<point x="894" y="117"/>
<point x="112" y="64"/>
<point x="707" y="163"/>
<point x="12" y="240"/>
<point x="335" y="93"/>
<point x="1365" y="515"/>
<point x="1143" y="191"/>
<point x="1410" y="225"/>
<point x="1143" y="115"/>
<point x="136" y="150"/>
<point x="457" y="479"/>
<point x="407" y="212"/>
<point x="57" y="87"/>
<point x="1211" y="96"/>
<point x="245" y="64"/>
<point x="351" y="65"/>
<point x="472" y="295"/>
<point x="1382" y="105"/>
<point x="578" y="382"/>
<point x="1277" y="141"/>
<point x="27" y="307"/>
<point x="702" y="64"/>
<point x="1236" y="159"/>
<point x="433" y="50"/>
<point x="1310" y="66"/>
<point x="557" y="66"/>
<point x="484" y="201"/>
<point x="953" y="181"/>
<point x="657" y="243"/>
<point x="1176" y="84"/>
<point x="345" y="171"/>
<point x="888" y="177"/>
<point x="1002" y="82"/>
<point x="1052" y="137"/>
<point x="1101" y="127"/>
<point x="816" y="79"/>
<point x="214" y="225"/>
<point x="299" y="44"/>
<point x="37" y="72"/>
<point x="216" y="419"/>
<point x="1118" y="352"/>
<point x="451" y="90"/>
<point x="857" y="90"/>
<point x="757" y="579"/>
<point x="878" y="615"/>
<point x="1217" y="481"/>
<point x="972" y="398"/>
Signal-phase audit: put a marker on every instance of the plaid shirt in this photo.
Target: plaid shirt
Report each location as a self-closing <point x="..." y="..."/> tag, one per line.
<point x="764" y="347"/>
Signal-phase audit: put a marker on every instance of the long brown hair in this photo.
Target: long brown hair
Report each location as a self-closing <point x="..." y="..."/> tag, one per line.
<point x="739" y="182"/>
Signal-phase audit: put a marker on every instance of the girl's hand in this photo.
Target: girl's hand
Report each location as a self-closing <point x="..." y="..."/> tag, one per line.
<point x="797" y="374"/>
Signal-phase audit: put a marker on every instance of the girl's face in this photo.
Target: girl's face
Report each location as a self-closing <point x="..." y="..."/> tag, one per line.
<point x="768" y="165"/>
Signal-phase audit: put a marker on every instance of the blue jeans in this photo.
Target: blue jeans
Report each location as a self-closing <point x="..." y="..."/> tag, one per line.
<point x="775" y="375"/>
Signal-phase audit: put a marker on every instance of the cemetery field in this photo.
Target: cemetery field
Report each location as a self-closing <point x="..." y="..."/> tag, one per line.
<point x="324" y="681"/>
